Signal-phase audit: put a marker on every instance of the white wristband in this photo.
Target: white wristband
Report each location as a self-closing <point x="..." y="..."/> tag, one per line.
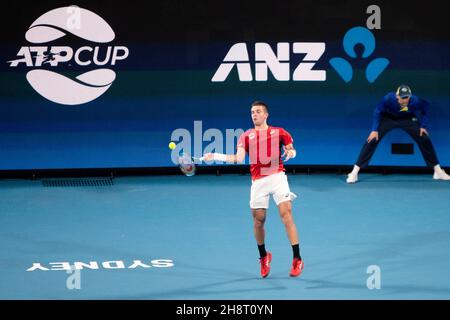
<point x="219" y="157"/>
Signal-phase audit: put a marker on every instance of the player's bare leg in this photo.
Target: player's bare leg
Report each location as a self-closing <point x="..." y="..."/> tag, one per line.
<point x="285" y="209"/>
<point x="259" y="217"/>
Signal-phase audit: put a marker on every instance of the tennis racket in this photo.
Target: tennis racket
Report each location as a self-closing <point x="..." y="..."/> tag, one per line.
<point x="187" y="164"/>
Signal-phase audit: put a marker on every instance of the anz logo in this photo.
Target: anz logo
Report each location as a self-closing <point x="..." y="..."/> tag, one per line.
<point x="364" y="37"/>
<point x="279" y="63"/>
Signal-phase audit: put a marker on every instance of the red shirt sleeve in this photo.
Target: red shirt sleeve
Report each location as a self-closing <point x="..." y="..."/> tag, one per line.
<point x="285" y="137"/>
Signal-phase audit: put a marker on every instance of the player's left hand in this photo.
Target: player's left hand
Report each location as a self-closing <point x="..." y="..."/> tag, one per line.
<point x="288" y="154"/>
<point x="423" y="131"/>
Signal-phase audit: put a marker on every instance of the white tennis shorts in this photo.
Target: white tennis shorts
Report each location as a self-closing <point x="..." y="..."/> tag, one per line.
<point x="276" y="185"/>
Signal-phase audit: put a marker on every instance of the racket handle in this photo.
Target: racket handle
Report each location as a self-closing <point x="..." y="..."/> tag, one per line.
<point x="198" y="159"/>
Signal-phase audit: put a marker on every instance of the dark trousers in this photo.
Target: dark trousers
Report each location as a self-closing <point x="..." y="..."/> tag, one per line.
<point x="412" y="128"/>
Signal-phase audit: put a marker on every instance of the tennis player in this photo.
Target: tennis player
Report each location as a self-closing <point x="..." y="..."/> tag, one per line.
<point x="263" y="144"/>
<point x="400" y="109"/>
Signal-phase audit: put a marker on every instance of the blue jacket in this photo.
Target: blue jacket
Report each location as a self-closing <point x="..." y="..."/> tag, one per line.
<point x="389" y="106"/>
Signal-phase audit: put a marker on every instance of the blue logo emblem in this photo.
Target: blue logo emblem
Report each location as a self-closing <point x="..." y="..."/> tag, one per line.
<point x="353" y="37"/>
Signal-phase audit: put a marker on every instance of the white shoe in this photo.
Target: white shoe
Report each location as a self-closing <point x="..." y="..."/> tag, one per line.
<point x="352" y="177"/>
<point x="440" y="175"/>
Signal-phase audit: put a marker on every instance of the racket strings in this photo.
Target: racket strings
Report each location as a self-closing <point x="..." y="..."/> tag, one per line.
<point x="186" y="165"/>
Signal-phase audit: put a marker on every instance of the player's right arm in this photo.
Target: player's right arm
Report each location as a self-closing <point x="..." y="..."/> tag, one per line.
<point x="239" y="157"/>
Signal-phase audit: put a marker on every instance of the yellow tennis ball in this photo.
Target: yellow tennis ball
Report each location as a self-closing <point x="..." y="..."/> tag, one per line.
<point x="172" y="145"/>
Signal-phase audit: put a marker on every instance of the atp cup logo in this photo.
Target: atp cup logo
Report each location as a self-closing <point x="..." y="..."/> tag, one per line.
<point x="47" y="60"/>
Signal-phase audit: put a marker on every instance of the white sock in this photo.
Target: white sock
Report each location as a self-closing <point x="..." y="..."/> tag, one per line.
<point x="437" y="168"/>
<point x="355" y="170"/>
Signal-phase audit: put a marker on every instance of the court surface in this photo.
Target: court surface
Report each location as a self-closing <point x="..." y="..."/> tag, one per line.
<point x="398" y="223"/>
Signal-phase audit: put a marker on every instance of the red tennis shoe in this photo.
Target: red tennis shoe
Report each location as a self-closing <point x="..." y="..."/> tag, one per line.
<point x="297" y="267"/>
<point x="265" y="264"/>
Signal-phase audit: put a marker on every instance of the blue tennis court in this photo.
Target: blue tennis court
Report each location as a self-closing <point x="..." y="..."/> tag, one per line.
<point x="177" y="237"/>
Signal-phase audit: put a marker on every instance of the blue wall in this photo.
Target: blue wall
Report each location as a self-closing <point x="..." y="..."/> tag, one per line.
<point x="165" y="85"/>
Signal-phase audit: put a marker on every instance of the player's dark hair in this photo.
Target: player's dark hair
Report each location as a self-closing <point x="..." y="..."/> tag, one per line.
<point x="260" y="103"/>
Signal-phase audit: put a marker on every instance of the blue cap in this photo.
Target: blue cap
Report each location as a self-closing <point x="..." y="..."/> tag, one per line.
<point x="404" y="91"/>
